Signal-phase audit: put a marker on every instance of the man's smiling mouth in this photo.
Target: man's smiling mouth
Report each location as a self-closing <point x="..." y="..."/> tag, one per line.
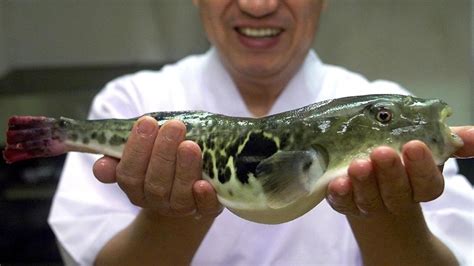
<point x="259" y="32"/>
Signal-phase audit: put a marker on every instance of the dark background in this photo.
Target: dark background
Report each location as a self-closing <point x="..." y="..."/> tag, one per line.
<point x="27" y="188"/>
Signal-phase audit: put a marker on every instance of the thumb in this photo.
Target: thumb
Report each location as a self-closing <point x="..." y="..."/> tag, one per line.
<point x="466" y="133"/>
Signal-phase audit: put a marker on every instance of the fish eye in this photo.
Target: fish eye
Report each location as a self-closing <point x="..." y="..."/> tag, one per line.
<point x="383" y="115"/>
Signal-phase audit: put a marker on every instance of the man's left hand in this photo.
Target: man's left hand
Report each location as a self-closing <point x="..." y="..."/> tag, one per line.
<point x="387" y="184"/>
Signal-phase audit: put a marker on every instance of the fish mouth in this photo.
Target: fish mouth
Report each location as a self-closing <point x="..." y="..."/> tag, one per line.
<point x="446" y="112"/>
<point x="452" y="141"/>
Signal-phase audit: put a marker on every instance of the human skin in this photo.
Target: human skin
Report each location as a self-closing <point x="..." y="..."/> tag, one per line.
<point x="161" y="172"/>
<point x="264" y="63"/>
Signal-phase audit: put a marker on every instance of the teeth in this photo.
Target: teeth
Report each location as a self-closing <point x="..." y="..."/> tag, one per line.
<point x="259" y="32"/>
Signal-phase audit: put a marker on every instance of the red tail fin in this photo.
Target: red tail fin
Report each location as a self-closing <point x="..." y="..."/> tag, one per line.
<point x="32" y="137"/>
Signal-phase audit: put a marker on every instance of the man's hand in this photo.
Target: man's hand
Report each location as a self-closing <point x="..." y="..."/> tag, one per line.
<point x="386" y="184"/>
<point x="380" y="197"/>
<point x="466" y="133"/>
<point x="160" y="171"/>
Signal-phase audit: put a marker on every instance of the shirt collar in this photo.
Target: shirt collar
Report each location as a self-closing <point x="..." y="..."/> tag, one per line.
<point x="221" y="94"/>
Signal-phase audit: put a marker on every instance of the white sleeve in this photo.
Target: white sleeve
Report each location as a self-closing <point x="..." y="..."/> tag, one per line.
<point x="451" y="216"/>
<point x="85" y="213"/>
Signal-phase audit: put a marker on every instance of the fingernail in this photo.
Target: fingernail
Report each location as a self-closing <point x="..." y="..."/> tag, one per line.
<point x="146" y="127"/>
<point x="363" y="171"/>
<point x="383" y="157"/>
<point x="172" y="133"/>
<point x="343" y="191"/>
<point x="415" y="154"/>
<point x="185" y="158"/>
<point x="362" y="177"/>
<point x="385" y="162"/>
<point x="342" y="188"/>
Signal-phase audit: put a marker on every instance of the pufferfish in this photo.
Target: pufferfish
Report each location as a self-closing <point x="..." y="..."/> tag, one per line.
<point x="267" y="170"/>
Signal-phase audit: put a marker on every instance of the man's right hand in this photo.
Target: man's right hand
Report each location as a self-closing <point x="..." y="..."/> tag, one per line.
<point x="161" y="171"/>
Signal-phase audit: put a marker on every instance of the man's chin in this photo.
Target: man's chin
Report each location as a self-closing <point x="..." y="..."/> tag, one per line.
<point x="259" y="70"/>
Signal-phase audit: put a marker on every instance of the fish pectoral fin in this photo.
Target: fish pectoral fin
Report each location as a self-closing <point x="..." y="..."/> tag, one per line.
<point x="287" y="176"/>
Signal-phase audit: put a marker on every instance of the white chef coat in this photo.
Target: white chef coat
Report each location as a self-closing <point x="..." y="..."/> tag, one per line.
<point x="86" y="213"/>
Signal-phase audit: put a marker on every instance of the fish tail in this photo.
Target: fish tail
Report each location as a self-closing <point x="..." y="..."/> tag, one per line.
<point x="32" y="137"/>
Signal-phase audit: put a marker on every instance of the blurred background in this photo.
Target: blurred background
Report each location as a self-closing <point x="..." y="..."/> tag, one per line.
<point x="55" y="55"/>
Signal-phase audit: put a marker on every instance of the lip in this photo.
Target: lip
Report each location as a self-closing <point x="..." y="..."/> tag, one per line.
<point x="258" y="43"/>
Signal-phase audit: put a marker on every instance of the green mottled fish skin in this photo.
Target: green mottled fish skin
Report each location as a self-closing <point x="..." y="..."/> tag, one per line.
<point x="327" y="135"/>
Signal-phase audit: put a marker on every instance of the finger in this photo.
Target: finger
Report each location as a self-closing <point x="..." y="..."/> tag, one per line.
<point x="161" y="169"/>
<point x="392" y="179"/>
<point x="340" y="196"/>
<point x="188" y="171"/>
<point x="466" y="133"/>
<point x="365" y="190"/>
<point x="426" y="180"/>
<point x="104" y="169"/>
<point x="206" y="199"/>
<point x="132" y="167"/>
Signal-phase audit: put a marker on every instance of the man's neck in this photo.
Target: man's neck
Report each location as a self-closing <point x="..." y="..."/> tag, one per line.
<point x="259" y="97"/>
<point x="260" y="91"/>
